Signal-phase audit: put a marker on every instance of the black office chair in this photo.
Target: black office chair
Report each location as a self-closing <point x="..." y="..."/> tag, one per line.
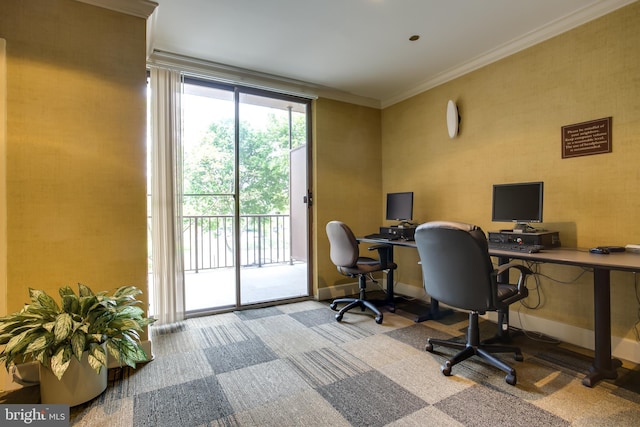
<point x="457" y="271"/>
<point x="345" y="254"/>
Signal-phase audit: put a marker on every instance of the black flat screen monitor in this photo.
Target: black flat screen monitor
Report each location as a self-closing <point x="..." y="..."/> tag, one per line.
<point x="400" y="206"/>
<point x="520" y="203"/>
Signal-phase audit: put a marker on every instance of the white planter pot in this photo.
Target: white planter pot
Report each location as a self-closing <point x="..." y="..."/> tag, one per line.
<point x="79" y="384"/>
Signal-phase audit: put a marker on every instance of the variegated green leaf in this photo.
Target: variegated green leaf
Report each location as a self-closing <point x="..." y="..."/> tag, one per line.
<point x="95" y="364"/>
<point x="60" y="361"/>
<point x="34" y="294"/>
<point x="97" y="358"/>
<point x="16" y="343"/>
<point x="87" y="304"/>
<point x="39" y="343"/>
<point x="49" y="326"/>
<point x="10" y="324"/>
<point x="70" y="304"/>
<point x="47" y="302"/>
<point x="124" y="324"/>
<point x="43" y="358"/>
<point x="66" y="290"/>
<point x="63" y="327"/>
<point x="131" y="312"/>
<point x="78" y="341"/>
<point x="4" y="338"/>
<point x="84" y="291"/>
<point x="113" y="349"/>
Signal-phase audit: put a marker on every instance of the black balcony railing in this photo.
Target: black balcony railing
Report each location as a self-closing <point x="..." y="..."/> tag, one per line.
<point x="208" y="241"/>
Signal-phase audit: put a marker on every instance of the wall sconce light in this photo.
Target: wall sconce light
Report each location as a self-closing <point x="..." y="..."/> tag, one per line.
<point x="453" y="119"/>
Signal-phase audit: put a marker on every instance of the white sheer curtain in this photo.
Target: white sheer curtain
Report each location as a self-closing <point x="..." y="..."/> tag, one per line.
<point x="166" y="195"/>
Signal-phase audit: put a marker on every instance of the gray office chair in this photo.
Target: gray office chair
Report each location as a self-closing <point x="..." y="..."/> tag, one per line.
<point x="345" y="254"/>
<point x="457" y="271"/>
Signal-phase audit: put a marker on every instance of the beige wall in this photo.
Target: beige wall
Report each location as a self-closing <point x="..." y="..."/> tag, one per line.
<point x="512" y="112"/>
<point x="3" y="178"/>
<point x="75" y="152"/>
<point x="76" y="160"/>
<point x="347" y="177"/>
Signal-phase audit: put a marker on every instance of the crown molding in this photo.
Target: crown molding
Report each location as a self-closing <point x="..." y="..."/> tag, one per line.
<point x="139" y="8"/>
<point x="240" y="76"/>
<point x="550" y="30"/>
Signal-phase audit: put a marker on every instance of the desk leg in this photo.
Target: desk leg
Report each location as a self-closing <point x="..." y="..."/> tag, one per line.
<point x="434" y="312"/>
<point x="604" y="367"/>
<point x="389" y="302"/>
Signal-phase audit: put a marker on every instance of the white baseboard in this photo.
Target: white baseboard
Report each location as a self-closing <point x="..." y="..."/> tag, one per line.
<point x="352" y="289"/>
<point x="623" y="348"/>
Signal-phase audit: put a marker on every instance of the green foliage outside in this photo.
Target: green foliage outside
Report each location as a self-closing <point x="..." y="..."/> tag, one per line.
<point x="264" y="167"/>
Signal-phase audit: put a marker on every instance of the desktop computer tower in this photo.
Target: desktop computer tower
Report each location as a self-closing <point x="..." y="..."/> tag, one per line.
<point x="548" y="239"/>
<point x="405" y="233"/>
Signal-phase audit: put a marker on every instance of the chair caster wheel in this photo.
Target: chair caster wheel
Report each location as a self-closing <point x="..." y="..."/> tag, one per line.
<point x="392" y="309"/>
<point x="379" y="319"/>
<point x="510" y="379"/>
<point x="446" y="368"/>
<point x="518" y="357"/>
<point x="339" y="317"/>
<point x="428" y="347"/>
<point x="333" y="306"/>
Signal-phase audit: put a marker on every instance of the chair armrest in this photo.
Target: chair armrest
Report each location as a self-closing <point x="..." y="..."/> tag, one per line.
<point x="521" y="285"/>
<point x="383" y="254"/>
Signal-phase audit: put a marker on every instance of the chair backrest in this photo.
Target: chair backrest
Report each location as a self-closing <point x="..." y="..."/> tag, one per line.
<point x="344" y="251"/>
<point x="456" y="266"/>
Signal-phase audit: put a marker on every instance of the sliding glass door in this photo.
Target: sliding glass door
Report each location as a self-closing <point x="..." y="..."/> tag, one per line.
<point x="242" y="243"/>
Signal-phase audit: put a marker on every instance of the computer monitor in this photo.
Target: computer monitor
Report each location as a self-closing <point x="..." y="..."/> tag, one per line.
<point x="519" y="202"/>
<point x="400" y="207"/>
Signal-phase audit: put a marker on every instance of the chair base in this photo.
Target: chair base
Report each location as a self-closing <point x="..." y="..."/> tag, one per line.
<point x="503" y="334"/>
<point x="352" y="303"/>
<point x="473" y="347"/>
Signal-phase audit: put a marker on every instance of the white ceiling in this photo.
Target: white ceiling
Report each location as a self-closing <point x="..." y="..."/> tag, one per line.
<point x="361" y="48"/>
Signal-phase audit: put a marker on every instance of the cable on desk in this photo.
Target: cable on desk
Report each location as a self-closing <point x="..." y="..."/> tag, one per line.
<point x="569" y="282"/>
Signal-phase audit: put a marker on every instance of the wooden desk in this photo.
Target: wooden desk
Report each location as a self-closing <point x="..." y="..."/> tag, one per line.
<point x="604" y="366"/>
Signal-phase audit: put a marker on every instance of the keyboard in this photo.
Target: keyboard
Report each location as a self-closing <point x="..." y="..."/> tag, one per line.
<point x="382" y="236"/>
<point x="514" y="247"/>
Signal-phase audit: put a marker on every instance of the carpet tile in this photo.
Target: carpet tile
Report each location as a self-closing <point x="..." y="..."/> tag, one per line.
<point x="483" y="406"/>
<point x="326" y="366"/>
<point x="371" y="399"/>
<point x="294" y="365"/>
<point x="250" y="387"/>
<point x="192" y="403"/>
<point x="239" y="355"/>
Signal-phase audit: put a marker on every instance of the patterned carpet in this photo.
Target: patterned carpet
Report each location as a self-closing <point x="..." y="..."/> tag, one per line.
<point x="294" y="365"/>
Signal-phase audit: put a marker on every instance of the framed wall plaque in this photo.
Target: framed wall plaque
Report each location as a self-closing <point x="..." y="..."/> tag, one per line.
<point x="587" y="138"/>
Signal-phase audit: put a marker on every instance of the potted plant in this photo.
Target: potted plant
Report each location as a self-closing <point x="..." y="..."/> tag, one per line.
<point x="71" y="340"/>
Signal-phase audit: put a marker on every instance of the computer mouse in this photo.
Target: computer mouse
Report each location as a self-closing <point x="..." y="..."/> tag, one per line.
<point x="599" y="250"/>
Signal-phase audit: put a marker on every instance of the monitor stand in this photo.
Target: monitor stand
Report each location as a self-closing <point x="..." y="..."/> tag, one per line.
<point x="523" y="227"/>
<point x="405" y="224"/>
